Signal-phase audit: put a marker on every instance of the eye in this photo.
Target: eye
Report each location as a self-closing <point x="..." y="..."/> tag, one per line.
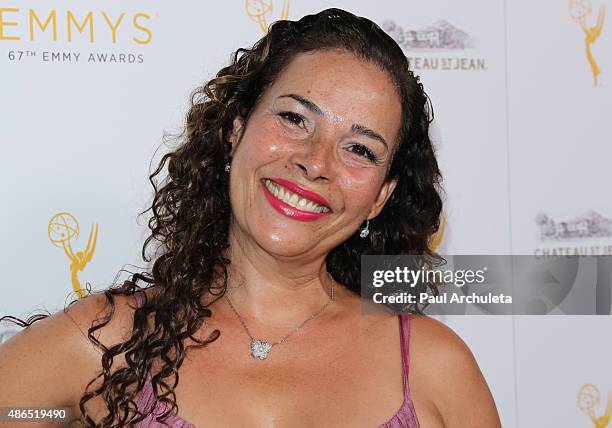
<point x="363" y="151"/>
<point x="292" y="117"/>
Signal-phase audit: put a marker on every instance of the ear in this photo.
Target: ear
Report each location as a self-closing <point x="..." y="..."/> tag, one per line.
<point x="236" y="134"/>
<point x="385" y="192"/>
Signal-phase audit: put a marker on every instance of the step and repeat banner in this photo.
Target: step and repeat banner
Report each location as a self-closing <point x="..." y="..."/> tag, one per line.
<point x="522" y="95"/>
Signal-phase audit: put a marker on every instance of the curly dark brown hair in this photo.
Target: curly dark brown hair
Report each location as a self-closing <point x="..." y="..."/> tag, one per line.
<point x="190" y="211"/>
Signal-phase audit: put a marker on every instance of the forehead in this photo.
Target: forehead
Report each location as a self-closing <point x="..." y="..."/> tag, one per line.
<point x="346" y="88"/>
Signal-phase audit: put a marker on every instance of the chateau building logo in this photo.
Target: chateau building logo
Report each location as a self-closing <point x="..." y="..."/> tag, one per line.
<point x="438" y="46"/>
<point x="439" y="35"/>
<point x="588" y="225"/>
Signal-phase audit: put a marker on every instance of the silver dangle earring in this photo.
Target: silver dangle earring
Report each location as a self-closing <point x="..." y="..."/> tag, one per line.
<point x="366" y="230"/>
<point x="227" y="167"/>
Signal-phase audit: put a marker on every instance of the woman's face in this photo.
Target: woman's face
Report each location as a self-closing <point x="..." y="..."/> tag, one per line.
<point x="310" y="165"/>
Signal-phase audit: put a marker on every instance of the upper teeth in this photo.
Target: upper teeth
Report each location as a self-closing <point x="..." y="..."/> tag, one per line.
<point x="293" y="199"/>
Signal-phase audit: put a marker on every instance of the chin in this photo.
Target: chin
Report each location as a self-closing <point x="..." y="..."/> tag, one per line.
<point x="283" y="244"/>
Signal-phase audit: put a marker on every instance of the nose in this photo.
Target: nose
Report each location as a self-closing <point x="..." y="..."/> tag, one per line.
<point x="314" y="159"/>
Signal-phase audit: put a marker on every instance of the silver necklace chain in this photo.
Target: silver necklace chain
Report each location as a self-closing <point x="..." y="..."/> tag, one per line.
<point x="261" y="348"/>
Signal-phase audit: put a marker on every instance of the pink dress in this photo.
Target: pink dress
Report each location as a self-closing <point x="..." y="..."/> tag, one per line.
<point x="404" y="418"/>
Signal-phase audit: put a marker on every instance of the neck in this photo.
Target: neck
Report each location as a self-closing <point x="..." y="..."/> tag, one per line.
<point x="273" y="290"/>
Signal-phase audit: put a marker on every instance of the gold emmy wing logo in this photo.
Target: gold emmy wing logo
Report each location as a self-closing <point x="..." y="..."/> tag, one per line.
<point x="63" y="228"/>
<point x="588" y="402"/>
<point x="260" y="10"/>
<point x="580" y="11"/>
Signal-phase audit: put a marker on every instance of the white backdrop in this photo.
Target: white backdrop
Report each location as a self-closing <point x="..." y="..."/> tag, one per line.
<point x="521" y="130"/>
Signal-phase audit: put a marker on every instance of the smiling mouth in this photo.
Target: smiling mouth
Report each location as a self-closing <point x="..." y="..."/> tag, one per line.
<point x="293" y="199"/>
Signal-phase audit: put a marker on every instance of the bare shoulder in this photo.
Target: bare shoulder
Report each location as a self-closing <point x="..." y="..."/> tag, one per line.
<point x="445" y="371"/>
<point x="51" y="362"/>
<point x="434" y="340"/>
<point x="94" y="309"/>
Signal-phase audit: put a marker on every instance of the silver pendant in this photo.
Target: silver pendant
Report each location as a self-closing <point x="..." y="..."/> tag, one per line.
<point x="260" y="349"/>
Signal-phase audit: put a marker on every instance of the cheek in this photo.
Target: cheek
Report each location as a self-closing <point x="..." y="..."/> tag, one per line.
<point x="360" y="188"/>
<point x="261" y="143"/>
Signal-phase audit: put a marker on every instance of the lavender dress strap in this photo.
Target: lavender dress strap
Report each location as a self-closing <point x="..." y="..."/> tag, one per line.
<point x="406" y="416"/>
<point x="146" y="397"/>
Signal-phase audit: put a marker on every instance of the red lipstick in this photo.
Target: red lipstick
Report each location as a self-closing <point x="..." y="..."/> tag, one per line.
<point x="287" y="209"/>
<point x="308" y="194"/>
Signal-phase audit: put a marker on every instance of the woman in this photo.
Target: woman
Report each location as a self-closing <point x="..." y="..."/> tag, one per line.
<point x="307" y="151"/>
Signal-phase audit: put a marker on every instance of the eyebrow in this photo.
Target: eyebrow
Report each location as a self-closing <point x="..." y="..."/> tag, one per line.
<point x="306" y="103"/>
<point x="356" y="128"/>
<point x="362" y="130"/>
